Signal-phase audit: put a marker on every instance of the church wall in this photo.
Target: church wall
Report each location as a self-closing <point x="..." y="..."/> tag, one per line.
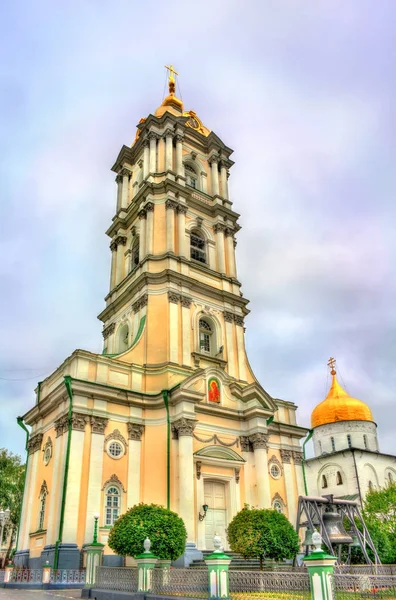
<point x="154" y="465"/>
<point x="159" y="238"/>
<point x="339" y="432"/>
<point x="156" y="331"/>
<point x="375" y="468"/>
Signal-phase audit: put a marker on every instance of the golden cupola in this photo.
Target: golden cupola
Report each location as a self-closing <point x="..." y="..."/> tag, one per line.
<point x="339" y="405"/>
<point x="171" y="103"/>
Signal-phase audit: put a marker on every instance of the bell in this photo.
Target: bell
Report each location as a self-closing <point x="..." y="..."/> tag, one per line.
<point x="355" y="541"/>
<point x="335" y="529"/>
<point x="308" y="537"/>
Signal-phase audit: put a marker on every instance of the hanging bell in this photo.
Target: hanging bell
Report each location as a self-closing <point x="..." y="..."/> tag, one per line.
<point x="308" y="537"/>
<point x="335" y="529"/>
<point x="355" y="541"/>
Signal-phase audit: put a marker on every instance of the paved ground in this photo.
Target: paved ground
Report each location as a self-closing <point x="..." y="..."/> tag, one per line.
<point x="10" y="594"/>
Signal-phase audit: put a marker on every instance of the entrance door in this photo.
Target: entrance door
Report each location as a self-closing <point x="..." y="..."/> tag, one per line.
<point x="216" y="517"/>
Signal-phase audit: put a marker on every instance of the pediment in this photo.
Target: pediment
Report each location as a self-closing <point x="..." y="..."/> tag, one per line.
<point x="219" y="452"/>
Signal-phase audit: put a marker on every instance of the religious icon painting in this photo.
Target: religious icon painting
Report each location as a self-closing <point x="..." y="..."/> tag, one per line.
<point x="213" y="390"/>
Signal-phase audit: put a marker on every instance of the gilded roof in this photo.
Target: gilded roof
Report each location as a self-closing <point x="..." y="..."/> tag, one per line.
<point x="339" y="406"/>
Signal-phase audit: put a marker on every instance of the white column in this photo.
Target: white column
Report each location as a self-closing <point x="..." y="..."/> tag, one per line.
<point x="146" y="158"/>
<point x="125" y="188"/>
<point x="291" y="499"/>
<point x="95" y="476"/>
<point x="186" y="330"/>
<point x="229" y="319"/>
<point x="219" y="231"/>
<point x="74" y="483"/>
<point x="174" y="299"/>
<point x="224" y="182"/>
<point x="213" y="161"/>
<point x="298" y="458"/>
<point x="179" y="155"/>
<point x="259" y="441"/>
<point x="135" y="431"/>
<point x="113" y="248"/>
<point x="171" y="206"/>
<point x="142" y="235"/>
<point x="119" y="191"/>
<point x="29" y="526"/>
<point x="161" y="154"/>
<point x="181" y="227"/>
<point x="185" y="428"/>
<point x="153" y="152"/>
<point x="52" y="532"/>
<point x="149" y="227"/>
<point x="240" y="347"/>
<point x="247" y="454"/>
<point x="169" y="150"/>
<point x="230" y="252"/>
<point x="120" y="241"/>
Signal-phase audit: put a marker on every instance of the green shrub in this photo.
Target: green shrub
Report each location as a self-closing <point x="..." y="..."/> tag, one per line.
<point x="165" y="529"/>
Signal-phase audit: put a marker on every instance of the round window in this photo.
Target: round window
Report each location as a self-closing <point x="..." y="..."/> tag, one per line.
<point x="115" y="449"/>
<point x="278" y="506"/>
<point x="275" y="471"/>
<point x="47" y="455"/>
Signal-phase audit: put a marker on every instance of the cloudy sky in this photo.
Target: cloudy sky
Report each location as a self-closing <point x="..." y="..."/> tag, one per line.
<point x="304" y="91"/>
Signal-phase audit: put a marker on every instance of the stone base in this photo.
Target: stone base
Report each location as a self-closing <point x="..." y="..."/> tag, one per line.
<point x="21" y="558"/>
<point x="68" y="556"/>
<point x="112" y="560"/>
<point x="191" y="553"/>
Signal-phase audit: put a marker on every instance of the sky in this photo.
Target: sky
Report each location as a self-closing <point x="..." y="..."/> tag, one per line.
<point x="303" y="91"/>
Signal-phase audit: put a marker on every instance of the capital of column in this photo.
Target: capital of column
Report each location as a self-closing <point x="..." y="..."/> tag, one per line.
<point x="184" y="427"/>
<point x="79" y="421"/>
<point x="215" y="158"/>
<point x="61" y="425"/>
<point x="174" y="297"/>
<point x="246" y="445"/>
<point x="98" y="424"/>
<point x="118" y="179"/>
<point x="121" y="239"/>
<point x="142" y="213"/>
<point x="182" y="208"/>
<point x="179" y="138"/>
<point x="146" y="142"/>
<point x="149" y="207"/>
<point x="108" y="330"/>
<point x="168" y="133"/>
<point x="186" y="301"/>
<point x="135" y="431"/>
<point x="218" y="227"/>
<point x="125" y="172"/>
<point x="229" y="232"/>
<point x="286" y="456"/>
<point x="140" y="303"/>
<point x="259" y="441"/>
<point x="152" y="135"/>
<point x="298" y="458"/>
<point x="171" y="204"/>
<point x="228" y="317"/>
<point x="239" y="320"/>
<point x="34" y="443"/>
<point x="113" y="246"/>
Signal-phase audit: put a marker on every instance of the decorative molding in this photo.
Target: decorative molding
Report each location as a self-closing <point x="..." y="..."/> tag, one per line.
<point x="229" y="232"/>
<point x="108" y="330"/>
<point x="149" y="207"/>
<point x="61" y="425"/>
<point x="179" y="137"/>
<point x="228" y="317"/>
<point x="125" y="172"/>
<point x="174" y="297"/>
<point x="218" y="227"/>
<point x="298" y="458"/>
<point x="113" y="479"/>
<point x="237" y="471"/>
<point x="175" y="435"/>
<point x="215" y="158"/>
<point x="115" y="435"/>
<point x="185" y="426"/>
<point x="171" y="204"/>
<point x="216" y="440"/>
<point x="152" y="135"/>
<point x="34" y="443"/>
<point x="47" y="447"/>
<point x="169" y="132"/>
<point x="246" y="444"/>
<point x="286" y="456"/>
<point x="120" y="240"/>
<point x="118" y="179"/>
<point x="133" y="230"/>
<point x="181" y="208"/>
<point x="43" y="489"/>
<point x="186" y="301"/>
<point x="259" y="441"/>
<point x="142" y="214"/>
<point x="79" y="421"/>
<point x="198" y="465"/>
<point x="278" y="497"/>
<point x="274" y="461"/>
<point x="113" y="246"/>
<point x="239" y="320"/>
<point x="135" y="431"/>
<point x="98" y="424"/>
<point x="140" y="303"/>
<point x="199" y="222"/>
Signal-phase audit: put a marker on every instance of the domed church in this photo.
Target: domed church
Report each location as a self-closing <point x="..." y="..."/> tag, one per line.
<point x="347" y="459"/>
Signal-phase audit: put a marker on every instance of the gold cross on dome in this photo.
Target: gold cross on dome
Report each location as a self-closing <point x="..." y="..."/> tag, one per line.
<point x="171" y="71"/>
<point x="331" y="364"/>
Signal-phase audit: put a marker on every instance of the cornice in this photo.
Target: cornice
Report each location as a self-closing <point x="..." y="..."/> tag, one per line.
<point x="287" y="429"/>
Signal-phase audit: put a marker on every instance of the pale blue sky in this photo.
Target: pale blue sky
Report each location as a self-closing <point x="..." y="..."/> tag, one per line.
<point x="304" y="92"/>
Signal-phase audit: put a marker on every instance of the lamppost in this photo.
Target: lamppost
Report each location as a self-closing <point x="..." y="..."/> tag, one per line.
<point x="95" y="534"/>
<point x="94" y="555"/>
<point x="4" y="518"/>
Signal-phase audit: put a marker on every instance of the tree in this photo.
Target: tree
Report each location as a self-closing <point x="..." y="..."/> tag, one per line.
<point x="12" y="477"/>
<point x="165" y="529"/>
<point x="379" y="512"/>
<point x="262" y="533"/>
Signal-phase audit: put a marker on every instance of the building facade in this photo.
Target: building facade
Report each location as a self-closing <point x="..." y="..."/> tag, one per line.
<point x="348" y="461"/>
<point x="171" y="412"/>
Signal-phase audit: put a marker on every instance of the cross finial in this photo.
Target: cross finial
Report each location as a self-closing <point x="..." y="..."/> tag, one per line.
<point x="171" y="72"/>
<point x="331" y="364"/>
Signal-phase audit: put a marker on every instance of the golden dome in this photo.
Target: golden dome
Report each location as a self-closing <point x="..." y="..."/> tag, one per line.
<point x="171" y="103"/>
<point x="339" y="406"/>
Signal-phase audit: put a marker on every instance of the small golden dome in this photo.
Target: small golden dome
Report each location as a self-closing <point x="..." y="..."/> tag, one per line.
<point x="171" y="103"/>
<point x="339" y="406"/>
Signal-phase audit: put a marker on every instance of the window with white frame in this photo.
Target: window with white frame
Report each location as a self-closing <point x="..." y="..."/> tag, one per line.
<point x="205" y="336"/>
<point x="191" y="177"/>
<point x="197" y="246"/>
<point x="277" y="505"/>
<point x="112" y="505"/>
<point x="43" y="500"/>
<point x="275" y="471"/>
<point x="135" y="254"/>
<point x="115" y="449"/>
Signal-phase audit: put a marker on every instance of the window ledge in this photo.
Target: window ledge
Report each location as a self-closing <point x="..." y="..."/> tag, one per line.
<point x="198" y="356"/>
<point x="38" y="532"/>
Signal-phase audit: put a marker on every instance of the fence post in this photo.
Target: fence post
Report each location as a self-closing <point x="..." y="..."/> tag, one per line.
<point x="146" y="563"/>
<point x="94" y="554"/>
<point x="218" y="563"/>
<point x="8" y="572"/>
<point x="46" y="573"/>
<point x="321" y="570"/>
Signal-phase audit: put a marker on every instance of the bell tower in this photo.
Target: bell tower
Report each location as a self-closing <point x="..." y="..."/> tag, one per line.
<point x="174" y="303"/>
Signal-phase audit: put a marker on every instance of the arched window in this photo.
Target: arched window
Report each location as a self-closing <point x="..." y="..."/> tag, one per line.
<point x="135" y="254"/>
<point x="324" y="481"/>
<point x="123" y="339"/>
<point x="191" y="177"/>
<point x="277" y="505"/>
<point x="205" y="336"/>
<point x="197" y="246"/>
<point x="339" y="478"/>
<point x="332" y="444"/>
<point x="365" y="441"/>
<point x="43" y="501"/>
<point x="349" y="440"/>
<point x="113" y="505"/>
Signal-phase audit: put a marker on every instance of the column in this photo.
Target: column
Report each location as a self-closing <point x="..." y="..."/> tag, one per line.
<point x="229" y="319"/>
<point x="169" y="150"/>
<point x="135" y="432"/>
<point x="149" y="207"/>
<point x="229" y="234"/>
<point x="171" y="206"/>
<point x="70" y="528"/>
<point x="146" y="158"/>
<point x="161" y="154"/>
<point x="33" y="447"/>
<point x="247" y="454"/>
<point x="52" y="533"/>
<point x="113" y="248"/>
<point x="142" y="235"/>
<point x="174" y="299"/>
<point x="241" y="347"/>
<point x="120" y="241"/>
<point x="181" y="228"/>
<point x="119" y="191"/>
<point x="95" y="475"/>
<point x="107" y="333"/>
<point x="214" y="163"/>
<point x="186" y="330"/>
<point x="185" y="428"/>
<point x="291" y="499"/>
<point x="179" y="155"/>
<point x="125" y="188"/>
<point x="298" y="467"/>
<point x="224" y="181"/>
<point x="153" y="151"/>
<point x="219" y="231"/>
<point x="259" y="441"/>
